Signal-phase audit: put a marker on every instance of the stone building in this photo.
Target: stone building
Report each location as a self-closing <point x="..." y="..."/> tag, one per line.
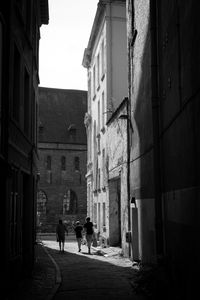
<point x="20" y="23"/>
<point x="164" y="92"/>
<point x="116" y="168"/>
<point x="62" y="149"/>
<point x="106" y="61"/>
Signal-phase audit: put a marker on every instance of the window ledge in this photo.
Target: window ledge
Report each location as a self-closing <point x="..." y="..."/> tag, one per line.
<point x="102" y="77"/>
<point x="103" y="129"/>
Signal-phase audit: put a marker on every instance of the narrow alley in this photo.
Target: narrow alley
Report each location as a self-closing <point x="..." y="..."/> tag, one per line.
<point x="92" y="276"/>
<point x="78" y="275"/>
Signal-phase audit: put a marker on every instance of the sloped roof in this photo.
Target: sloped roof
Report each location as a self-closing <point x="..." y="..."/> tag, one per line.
<point x="59" y="111"/>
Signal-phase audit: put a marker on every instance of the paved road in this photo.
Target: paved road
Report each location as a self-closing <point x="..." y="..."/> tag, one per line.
<point x="94" y="276"/>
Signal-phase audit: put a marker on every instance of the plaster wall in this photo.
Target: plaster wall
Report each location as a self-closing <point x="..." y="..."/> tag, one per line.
<point x="110" y="79"/>
<point x="141" y="161"/>
<point x="117" y="170"/>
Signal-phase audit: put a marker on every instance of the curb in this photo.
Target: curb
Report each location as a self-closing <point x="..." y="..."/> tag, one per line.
<point x="58" y="278"/>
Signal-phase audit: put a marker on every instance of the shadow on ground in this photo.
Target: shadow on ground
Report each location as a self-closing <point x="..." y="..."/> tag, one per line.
<point x="148" y="282"/>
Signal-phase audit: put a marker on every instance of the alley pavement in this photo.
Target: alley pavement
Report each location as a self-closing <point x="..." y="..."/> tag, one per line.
<point x="104" y="273"/>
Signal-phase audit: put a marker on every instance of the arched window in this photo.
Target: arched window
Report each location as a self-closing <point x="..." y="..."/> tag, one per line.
<point x="69" y="202"/>
<point x="41" y="202"/>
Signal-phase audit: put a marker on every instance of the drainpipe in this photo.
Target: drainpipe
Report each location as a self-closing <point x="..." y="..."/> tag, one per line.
<point x="128" y="170"/>
<point x="155" y="120"/>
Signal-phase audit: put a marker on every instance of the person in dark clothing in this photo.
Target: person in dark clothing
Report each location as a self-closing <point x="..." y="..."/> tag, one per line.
<point x="60" y="235"/>
<point x="78" y="230"/>
<point x="88" y="228"/>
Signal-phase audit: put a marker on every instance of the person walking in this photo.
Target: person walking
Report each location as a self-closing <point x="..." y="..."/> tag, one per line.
<point x="78" y="230"/>
<point x="88" y="228"/>
<point x="60" y="235"/>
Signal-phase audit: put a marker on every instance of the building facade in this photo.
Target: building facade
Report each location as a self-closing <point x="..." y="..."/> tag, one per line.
<point x="106" y="61"/>
<point x="20" y="23"/>
<point x="163" y="47"/>
<point x="62" y="150"/>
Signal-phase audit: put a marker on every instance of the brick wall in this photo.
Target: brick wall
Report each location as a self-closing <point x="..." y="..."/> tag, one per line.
<point x="56" y="182"/>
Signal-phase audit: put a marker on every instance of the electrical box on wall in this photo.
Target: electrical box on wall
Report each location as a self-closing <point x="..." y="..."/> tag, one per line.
<point x="128" y="236"/>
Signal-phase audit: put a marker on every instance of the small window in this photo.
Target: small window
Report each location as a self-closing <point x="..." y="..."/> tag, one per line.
<point x="63" y="163"/>
<point x="104" y="214"/>
<point x="48" y="162"/>
<point x="94" y="81"/>
<point x="69" y="202"/>
<point x="76" y="163"/>
<point x="41" y="203"/>
<point x="72" y="132"/>
<point x="98" y="71"/>
<point x="41" y="129"/>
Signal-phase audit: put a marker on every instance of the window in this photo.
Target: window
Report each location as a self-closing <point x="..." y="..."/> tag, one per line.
<point x="104" y="168"/>
<point x="69" y="202"/>
<point x="95" y="212"/>
<point x="98" y="144"/>
<point x="89" y="92"/>
<point x="41" y="131"/>
<point x="63" y="163"/>
<point x="48" y="167"/>
<point x="103" y="110"/>
<point x="99" y="216"/>
<point x="94" y="81"/>
<point x="48" y="162"/>
<point x="99" y="116"/>
<point x="98" y="72"/>
<point x="41" y="203"/>
<point x="96" y="175"/>
<point x="72" y="132"/>
<point x="102" y="60"/>
<point x="76" y="163"/>
<point x="66" y="202"/>
<point x="99" y="180"/>
<point x="104" y="214"/>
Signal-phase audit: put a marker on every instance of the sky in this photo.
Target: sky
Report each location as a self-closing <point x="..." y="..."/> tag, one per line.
<point x="63" y="42"/>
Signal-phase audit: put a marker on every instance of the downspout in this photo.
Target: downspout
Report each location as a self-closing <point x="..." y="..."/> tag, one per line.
<point x="130" y="45"/>
<point x="128" y="170"/>
<point x="155" y="120"/>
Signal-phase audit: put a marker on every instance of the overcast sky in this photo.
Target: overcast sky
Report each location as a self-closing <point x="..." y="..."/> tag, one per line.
<point x="63" y="42"/>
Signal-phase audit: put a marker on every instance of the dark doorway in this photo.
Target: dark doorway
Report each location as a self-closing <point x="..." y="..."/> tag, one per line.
<point x="115" y="212"/>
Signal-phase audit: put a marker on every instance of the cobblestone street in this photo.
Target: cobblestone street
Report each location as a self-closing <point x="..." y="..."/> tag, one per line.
<point x="104" y="273"/>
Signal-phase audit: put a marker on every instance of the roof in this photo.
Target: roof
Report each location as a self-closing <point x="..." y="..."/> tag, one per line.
<point x="118" y="109"/>
<point x="61" y="115"/>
